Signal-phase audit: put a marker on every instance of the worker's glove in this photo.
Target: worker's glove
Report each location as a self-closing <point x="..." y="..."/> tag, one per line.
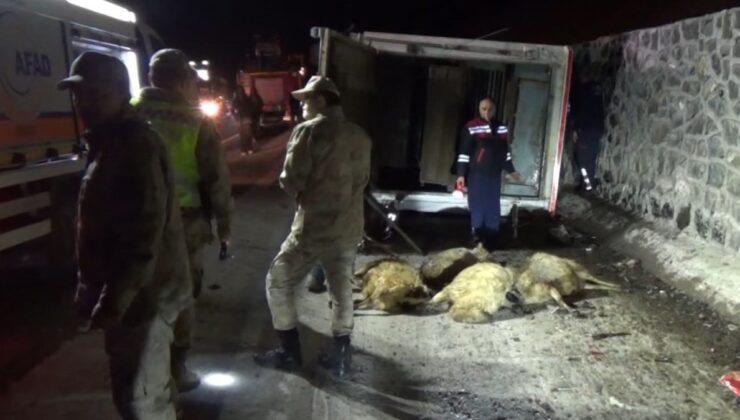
<point x="460" y="184"/>
<point x="223" y="253"/>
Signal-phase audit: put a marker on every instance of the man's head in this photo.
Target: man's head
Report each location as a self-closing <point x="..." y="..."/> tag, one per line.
<point x="169" y="70"/>
<point x="320" y="93"/>
<point x="487" y="108"/>
<point x="99" y="85"/>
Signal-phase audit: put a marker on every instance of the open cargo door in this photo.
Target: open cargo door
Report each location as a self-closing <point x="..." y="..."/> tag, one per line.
<point x="539" y="105"/>
<point x="351" y="65"/>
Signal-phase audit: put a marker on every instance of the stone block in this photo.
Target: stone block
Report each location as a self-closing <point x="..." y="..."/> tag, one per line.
<point x="702" y="150"/>
<point x="683" y="219"/>
<point x="645" y="39"/>
<point x="716" y="147"/>
<point x="727" y="26"/>
<point x="734" y="162"/>
<point x="736" y="70"/>
<point x="707" y="27"/>
<point x="717" y="105"/>
<point x="689" y="146"/>
<point x="710" y="127"/>
<point x="654" y="206"/>
<point x="696" y="126"/>
<point x="733" y="185"/>
<point x="737" y="19"/>
<point x="731" y="131"/>
<point x="654" y="40"/>
<point x="698" y="171"/>
<point x="736" y="48"/>
<point x="666" y="211"/>
<point x="701" y="224"/>
<point x="675" y="35"/>
<point x="733" y="241"/>
<point x="719" y="232"/>
<point x="733" y="88"/>
<point x="710" y="201"/>
<point x="716" y="65"/>
<point x="692" y="87"/>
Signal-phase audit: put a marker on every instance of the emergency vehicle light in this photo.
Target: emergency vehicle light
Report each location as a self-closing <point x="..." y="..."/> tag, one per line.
<point x="106" y="8"/>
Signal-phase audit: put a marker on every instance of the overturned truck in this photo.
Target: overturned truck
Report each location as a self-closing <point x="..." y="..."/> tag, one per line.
<point x="414" y="93"/>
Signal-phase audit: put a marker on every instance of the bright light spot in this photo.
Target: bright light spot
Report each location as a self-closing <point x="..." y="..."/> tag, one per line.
<point x="203" y="74"/>
<point x="192" y="63"/>
<point x="131" y="61"/>
<point x="392" y="217"/>
<point x="219" y="380"/>
<point x="106" y="8"/>
<point x="204" y="62"/>
<point x="458" y="195"/>
<point x="302" y="71"/>
<point x="210" y="108"/>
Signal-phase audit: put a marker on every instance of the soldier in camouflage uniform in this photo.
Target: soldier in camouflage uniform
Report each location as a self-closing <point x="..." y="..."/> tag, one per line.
<point x="326" y="170"/>
<point x="201" y="177"/>
<point x="133" y="273"/>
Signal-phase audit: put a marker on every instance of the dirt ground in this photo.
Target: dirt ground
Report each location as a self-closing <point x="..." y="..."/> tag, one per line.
<point x="663" y="363"/>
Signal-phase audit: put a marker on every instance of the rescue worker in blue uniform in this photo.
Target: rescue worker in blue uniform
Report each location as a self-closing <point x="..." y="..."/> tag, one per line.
<point x="484" y="154"/>
<point x="588" y="127"/>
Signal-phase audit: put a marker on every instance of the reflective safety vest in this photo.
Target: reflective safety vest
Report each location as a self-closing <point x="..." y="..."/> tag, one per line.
<point x="178" y="124"/>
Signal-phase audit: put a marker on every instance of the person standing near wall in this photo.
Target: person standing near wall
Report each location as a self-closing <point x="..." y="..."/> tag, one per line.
<point x="484" y="154"/>
<point x="588" y="126"/>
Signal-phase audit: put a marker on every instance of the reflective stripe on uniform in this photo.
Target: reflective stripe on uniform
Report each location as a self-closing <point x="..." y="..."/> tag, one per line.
<point x="479" y="129"/>
<point x="502" y="129"/>
<point x="508" y="156"/>
<point x="463" y="158"/>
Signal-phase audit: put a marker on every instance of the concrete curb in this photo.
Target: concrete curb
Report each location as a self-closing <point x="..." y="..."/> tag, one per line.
<point x="704" y="271"/>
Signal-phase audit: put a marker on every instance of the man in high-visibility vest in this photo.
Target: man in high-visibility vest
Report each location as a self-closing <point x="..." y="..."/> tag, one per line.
<point x="201" y="177"/>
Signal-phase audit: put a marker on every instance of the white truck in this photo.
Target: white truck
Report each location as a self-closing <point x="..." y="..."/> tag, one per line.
<point x="40" y="153"/>
<point x="414" y="93"/>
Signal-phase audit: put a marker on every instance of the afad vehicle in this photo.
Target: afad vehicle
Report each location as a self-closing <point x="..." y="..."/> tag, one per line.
<point x="41" y="153"/>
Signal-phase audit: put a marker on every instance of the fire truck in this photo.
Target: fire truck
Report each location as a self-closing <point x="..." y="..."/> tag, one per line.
<point x="274" y="75"/>
<point x="41" y="153"/>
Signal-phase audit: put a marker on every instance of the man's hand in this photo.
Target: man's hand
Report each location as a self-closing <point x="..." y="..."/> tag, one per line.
<point x="516" y="176"/>
<point x="460" y="183"/>
<point x="223" y="253"/>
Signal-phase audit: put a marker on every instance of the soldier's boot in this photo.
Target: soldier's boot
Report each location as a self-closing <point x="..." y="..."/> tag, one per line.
<point x="339" y="358"/>
<point x="287" y="356"/>
<point x="184" y="378"/>
<point x="317" y="280"/>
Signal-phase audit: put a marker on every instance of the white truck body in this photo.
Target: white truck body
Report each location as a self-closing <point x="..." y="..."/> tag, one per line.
<point x="530" y="82"/>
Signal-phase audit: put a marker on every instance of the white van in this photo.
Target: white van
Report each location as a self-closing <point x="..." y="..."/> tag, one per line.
<point x="40" y="158"/>
<point x="414" y="93"/>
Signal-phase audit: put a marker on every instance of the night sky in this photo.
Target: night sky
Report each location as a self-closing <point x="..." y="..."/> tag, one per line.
<point x="222" y="30"/>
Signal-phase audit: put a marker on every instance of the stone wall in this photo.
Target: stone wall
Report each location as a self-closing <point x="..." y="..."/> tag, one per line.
<point x="671" y="147"/>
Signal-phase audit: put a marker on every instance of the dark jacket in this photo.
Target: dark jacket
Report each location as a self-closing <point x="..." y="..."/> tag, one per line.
<point x="247" y="106"/>
<point x="130" y="248"/>
<point x="484" y="148"/>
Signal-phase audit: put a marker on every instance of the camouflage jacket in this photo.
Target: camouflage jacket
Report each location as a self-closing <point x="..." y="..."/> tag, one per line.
<point x="326" y="170"/>
<point x="130" y="245"/>
<point x="213" y="171"/>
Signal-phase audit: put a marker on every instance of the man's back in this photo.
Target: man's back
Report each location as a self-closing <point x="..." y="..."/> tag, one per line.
<point x="130" y="236"/>
<point x="331" y="205"/>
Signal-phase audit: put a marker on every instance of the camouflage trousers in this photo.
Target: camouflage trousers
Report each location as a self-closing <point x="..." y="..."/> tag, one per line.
<point x="139" y="360"/>
<point x="291" y="266"/>
<point x="197" y="235"/>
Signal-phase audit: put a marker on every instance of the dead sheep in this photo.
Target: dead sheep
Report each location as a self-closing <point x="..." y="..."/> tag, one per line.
<point x="547" y="277"/>
<point x="440" y="268"/>
<point x="476" y="293"/>
<point x="390" y="285"/>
